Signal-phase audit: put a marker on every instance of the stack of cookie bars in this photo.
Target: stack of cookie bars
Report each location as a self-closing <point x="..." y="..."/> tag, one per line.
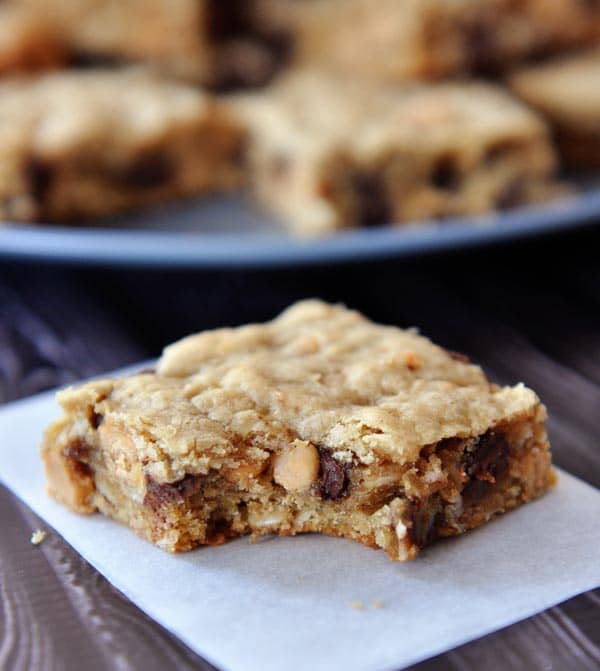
<point x="330" y="113"/>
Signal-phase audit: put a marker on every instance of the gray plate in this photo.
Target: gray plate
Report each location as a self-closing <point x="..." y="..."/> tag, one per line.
<point x="226" y="233"/>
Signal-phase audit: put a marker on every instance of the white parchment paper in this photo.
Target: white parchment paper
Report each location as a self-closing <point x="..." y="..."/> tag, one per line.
<point x="287" y="603"/>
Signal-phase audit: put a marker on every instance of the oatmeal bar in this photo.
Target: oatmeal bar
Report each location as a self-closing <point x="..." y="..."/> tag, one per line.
<point x="78" y="145"/>
<point x="319" y="421"/>
<point x="215" y="42"/>
<point x="327" y="154"/>
<point x="567" y="92"/>
<point x="394" y="40"/>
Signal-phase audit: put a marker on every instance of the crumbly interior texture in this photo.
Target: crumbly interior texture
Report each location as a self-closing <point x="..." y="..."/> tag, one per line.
<point x="76" y="145"/>
<point x="319" y="421"/>
<point x="393" y="41"/>
<point x="567" y="92"/>
<point x="364" y="155"/>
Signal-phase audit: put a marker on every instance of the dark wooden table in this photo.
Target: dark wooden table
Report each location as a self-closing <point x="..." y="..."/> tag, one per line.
<point x="529" y="311"/>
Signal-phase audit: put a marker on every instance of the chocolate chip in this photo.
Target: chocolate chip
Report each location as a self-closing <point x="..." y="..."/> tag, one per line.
<point x="475" y="490"/>
<point x="281" y="46"/>
<point x="226" y="19"/>
<point x="243" y="63"/>
<point x="279" y="166"/>
<point x="511" y="195"/>
<point x="480" y="45"/>
<point x="373" y="207"/>
<point x="78" y="452"/>
<point x="218" y="530"/>
<point x="333" y="476"/>
<point x="39" y="177"/>
<point x="238" y="156"/>
<point x="159" y="494"/>
<point x="446" y="173"/>
<point x="189" y="485"/>
<point x="95" y="418"/>
<point x="591" y="5"/>
<point x="488" y="461"/>
<point x="426" y="517"/>
<point x="499" y="150"/>
<point x="247" y="50"/>
<point x="458" y="356"/>
<point x="146" y="172"/>
<point x="85" y="59"/>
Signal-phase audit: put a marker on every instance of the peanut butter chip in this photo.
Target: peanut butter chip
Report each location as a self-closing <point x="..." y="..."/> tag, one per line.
<point x="412" y="361"/>
<point x="297" y="467"/>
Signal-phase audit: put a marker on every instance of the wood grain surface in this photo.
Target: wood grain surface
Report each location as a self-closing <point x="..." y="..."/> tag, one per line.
<point x="529" y="312"/>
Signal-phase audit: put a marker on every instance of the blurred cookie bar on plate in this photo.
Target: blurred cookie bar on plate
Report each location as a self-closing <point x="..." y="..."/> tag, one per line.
<point x="326" y="154"/>
<point x="212" y="42"/>
<point x="76" y="145"/>
<point x="567" y="92"/>
<point x="394" y="40"/>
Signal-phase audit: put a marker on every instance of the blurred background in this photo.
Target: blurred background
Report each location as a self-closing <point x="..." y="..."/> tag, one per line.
<point x="305" y="119"/>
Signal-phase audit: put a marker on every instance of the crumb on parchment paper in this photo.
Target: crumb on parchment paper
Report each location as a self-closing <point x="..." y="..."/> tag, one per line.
<point x="37" y="536"/>
<point x="376" y="604"/>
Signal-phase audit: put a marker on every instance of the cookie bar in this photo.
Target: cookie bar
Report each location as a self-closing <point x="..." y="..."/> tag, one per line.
<point x="78" y="145"/>
<point x="319" y="421"/>
<point x="395" y="40"/>
<point x="567" y="92"/>
<point x="326" y="154"/>
<point x="213" y="42"/>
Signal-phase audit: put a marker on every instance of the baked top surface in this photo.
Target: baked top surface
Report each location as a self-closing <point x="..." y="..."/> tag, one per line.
<point x="309" y="112"/>
<point x="160" y="27"/>
<point x="318" y="372"/>
<point x="102" y="109"/>
<point x="567" y="89"/>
